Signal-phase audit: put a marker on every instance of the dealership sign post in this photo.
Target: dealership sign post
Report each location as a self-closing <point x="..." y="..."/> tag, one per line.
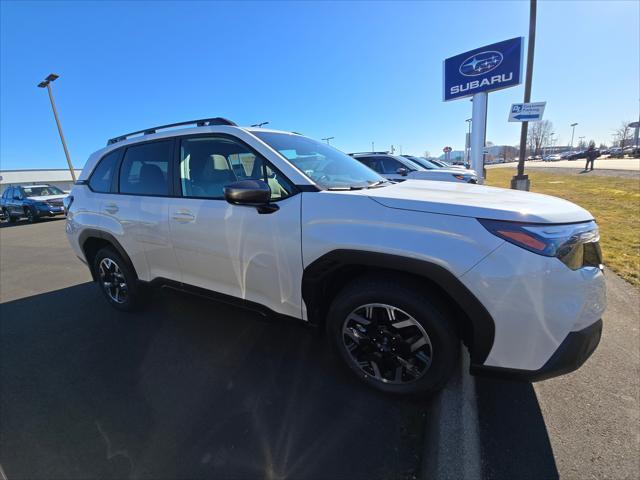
<point x="474" y="74"/>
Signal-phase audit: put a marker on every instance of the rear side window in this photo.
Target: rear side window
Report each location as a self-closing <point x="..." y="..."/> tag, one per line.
<point x="102" y="176"/>
<point x="145" y="169"/>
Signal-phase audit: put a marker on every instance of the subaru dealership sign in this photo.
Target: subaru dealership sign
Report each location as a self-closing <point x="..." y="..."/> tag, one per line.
<point x="484" y="69"/>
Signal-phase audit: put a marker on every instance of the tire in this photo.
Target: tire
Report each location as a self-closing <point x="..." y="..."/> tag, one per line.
<point x="28" y="213"/>
<point x="110" y="268"/>
<point x="9" y="218"/>
<point x="420" y="323"/>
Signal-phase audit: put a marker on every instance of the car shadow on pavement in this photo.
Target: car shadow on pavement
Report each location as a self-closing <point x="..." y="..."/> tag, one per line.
<point x="189" y="388"/>
<point x="513" y="437"/>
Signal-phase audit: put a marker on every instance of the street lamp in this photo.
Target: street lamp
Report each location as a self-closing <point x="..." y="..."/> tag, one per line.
<point x="326" y="139"/>
<point x="580" y="138"/>
<point x="259" y="125"/>
<point x="46" y="83"/>
<point x="573" y="130"/>
<point x="466" y="143"/>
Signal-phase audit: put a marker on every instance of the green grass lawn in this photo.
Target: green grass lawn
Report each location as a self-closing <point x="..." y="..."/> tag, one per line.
<point x="614" y="201"/>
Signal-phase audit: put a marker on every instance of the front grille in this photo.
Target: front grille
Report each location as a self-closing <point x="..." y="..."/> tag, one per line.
<point x="55" y="203"/>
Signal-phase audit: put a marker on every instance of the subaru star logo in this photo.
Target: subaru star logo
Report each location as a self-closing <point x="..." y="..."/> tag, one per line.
<point x="481" y="63"/>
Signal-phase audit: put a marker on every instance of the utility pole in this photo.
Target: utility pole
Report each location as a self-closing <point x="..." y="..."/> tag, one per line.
<point x="521" y="181"/>
<point x="326" y="139"/>
<point x="46" y="83"/>
<point x="372" y="148"/>
<point x="573" y="131"/>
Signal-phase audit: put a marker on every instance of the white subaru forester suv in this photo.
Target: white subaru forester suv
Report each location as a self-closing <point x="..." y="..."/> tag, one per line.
<point x="399" y="274"/>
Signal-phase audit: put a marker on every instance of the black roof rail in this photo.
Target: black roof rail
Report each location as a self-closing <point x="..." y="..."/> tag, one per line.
<point x="199" y="123"/>
<point x="369" y="153"/>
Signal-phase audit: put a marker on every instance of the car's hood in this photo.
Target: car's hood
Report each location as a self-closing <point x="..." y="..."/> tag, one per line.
<point x="478" y="201"/>
<point x="44" y="198"/>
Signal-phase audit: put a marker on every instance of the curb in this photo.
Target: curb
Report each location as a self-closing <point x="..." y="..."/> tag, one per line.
<point x="451" y="447"/>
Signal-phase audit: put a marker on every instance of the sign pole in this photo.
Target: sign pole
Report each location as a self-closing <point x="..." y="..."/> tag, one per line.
<point x="521" y="181"/>
<point x="478" y="133"/>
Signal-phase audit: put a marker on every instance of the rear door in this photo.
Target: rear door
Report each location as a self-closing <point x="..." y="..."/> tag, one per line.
<point x="139" y="210"/>
<point x="233" y="249"/>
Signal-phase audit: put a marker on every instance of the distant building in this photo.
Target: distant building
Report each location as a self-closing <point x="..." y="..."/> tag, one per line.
<point x="61" y="178"/>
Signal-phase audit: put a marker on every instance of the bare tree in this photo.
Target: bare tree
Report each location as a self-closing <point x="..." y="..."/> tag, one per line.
<point x="426" y="154"/>
<point x="623" y="134"/>
<point x="539" y="135"/>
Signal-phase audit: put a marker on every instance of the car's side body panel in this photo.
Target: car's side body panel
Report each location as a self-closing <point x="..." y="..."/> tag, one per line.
<point x="237" y="251"/>
<point x="347" y="220"/>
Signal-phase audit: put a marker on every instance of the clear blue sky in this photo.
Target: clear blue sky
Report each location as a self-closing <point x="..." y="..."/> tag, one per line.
<point x="358" y="71"/>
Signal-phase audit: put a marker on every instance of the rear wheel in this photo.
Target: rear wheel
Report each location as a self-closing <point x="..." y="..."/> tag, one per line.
<point x="6" y="215"/>
<point x="117" y="280"/>
<point x="392" y="336"/>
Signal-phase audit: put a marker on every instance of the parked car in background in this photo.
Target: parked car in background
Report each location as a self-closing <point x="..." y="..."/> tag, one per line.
<point x="554" y="157"/>
<point x="32" y="202"/>
<point x="398" y="168"/>
<point x="432" y="163"/>
<point x="631" y="150"/>
<point x="615" y="152"/>
<point x="399" y="275"/>
<point x="577" y="155"/>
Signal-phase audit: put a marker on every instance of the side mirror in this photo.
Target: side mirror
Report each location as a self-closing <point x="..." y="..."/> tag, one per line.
<point x="252" y="193"/>
<point x="402" y="171"/>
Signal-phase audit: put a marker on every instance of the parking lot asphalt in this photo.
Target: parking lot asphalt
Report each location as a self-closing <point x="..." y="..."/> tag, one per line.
<point x="191" y="388"/>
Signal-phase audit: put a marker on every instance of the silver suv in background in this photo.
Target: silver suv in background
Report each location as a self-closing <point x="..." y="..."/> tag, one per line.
<point x="400" y="168"/>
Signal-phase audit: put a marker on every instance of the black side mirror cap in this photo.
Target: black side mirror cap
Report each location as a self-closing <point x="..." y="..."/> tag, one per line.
<point x="402" y="171"/>
<point x="252" y="193"/>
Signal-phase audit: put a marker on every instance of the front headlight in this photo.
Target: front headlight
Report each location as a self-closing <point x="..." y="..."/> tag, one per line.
<point x="576" y="244"/>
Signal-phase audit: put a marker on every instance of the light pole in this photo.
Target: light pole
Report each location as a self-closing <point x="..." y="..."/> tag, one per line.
<point x="573" y="130"/>
<point x="580" y="142"/>
<point x="260" y="125"/>
<point x="466" y="143"/>
<point x="372" y="147"/>
<point x="47" y="83"/>
<point x="326" y="139"/>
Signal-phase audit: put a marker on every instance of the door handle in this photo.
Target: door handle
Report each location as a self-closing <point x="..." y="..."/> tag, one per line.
<point x="183" y="216"/>
<point x="111" y="208"/>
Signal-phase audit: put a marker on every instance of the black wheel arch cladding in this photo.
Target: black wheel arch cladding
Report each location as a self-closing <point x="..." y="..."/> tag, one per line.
<point x="326" y="275"/>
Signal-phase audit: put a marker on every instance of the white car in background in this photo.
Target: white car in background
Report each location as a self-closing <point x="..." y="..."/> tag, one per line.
<point x="399" y="168"/>
<point x="434" y="163"/>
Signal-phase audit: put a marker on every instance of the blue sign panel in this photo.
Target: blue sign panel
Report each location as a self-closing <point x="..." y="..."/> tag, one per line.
<point x="484" y="69"/>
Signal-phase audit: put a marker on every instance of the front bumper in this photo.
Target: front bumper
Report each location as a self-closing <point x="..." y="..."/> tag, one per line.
<point x="570" y="355"/>
<point x="50" y="211"/>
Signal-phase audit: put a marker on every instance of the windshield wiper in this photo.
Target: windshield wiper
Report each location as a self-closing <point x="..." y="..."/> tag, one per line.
<point x="347" y="188"/>
<point x="378" y="183"/>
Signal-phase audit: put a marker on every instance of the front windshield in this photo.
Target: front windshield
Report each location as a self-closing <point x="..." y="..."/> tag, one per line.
<point x="325" y="165"/>
<point x="42" y="191"/>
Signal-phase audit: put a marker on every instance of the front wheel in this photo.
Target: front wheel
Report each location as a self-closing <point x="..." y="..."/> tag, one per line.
<point x="28" y="213"/>
<point x="393" y="337"/>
